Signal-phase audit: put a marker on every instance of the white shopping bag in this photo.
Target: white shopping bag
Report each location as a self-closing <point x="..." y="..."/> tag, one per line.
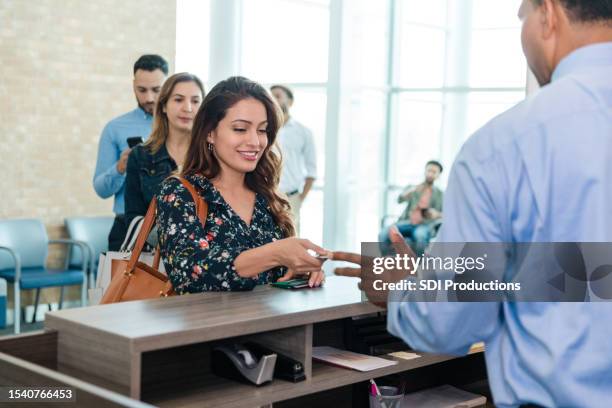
<point x="103" y="277"/>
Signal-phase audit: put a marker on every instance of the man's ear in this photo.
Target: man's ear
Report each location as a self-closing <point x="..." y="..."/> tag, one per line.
<point x="549" y="17"/>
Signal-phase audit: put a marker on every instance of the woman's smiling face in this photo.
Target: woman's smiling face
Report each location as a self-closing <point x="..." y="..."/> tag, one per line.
<point x="241" y="137"/>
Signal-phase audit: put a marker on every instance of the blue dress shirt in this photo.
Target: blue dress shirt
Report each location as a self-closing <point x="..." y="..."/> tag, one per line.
<point x="107" y="179"/>
<point x="540" y="172"/>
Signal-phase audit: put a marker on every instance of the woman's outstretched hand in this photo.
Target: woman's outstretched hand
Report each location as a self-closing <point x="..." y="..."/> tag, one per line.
<point x="294" y="254"/>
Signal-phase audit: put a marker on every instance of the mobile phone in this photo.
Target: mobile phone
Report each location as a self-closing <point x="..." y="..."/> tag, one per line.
<point x="317" y="255"/>
<point x="134" y="141"/>
<point x="292" y="284"/>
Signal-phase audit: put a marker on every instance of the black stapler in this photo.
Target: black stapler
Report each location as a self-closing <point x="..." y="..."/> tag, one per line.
<point x="286" y="367"/>
<point x="238" y="362"/>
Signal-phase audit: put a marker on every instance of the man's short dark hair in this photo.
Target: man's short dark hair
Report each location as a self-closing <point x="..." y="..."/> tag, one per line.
<point x="586" y="11"/>
<point x="151" y="62"/>
<point x="435" y="163"/>
<point x="285" y="89"/>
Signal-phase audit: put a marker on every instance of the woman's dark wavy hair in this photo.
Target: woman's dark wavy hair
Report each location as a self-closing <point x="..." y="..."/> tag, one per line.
<point x="264" y="179"/>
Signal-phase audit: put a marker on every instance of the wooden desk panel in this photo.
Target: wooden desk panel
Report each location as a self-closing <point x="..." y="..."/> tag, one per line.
<point x="175" y="321"/>
<point x="117" y="342"/>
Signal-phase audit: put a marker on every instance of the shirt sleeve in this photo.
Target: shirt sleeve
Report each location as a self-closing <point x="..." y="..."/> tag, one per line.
<point x="107" y="179"/>
<point x="310" y="155"/>
<point x="470" y="216"/>
<point x="196" y="259"/>
<point x="401" y="198"/>
<point x="134" y="202"/>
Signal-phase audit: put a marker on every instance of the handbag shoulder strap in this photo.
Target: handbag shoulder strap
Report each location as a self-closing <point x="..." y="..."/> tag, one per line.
<point x="200" y="203"/>
<point x="149" y="220"/>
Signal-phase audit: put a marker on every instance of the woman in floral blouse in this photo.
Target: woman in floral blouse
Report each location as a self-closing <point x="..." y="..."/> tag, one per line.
<point x="248" y="236"/>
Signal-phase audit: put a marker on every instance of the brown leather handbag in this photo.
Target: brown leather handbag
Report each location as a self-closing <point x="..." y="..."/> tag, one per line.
<point x="135" y="280"/>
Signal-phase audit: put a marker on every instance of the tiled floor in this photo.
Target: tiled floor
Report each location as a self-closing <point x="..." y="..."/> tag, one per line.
<point x="25" y="327"/>
<point x="27" y="312"/>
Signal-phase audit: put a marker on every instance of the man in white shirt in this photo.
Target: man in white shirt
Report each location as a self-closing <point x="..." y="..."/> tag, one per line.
<point x="299" y="155"/>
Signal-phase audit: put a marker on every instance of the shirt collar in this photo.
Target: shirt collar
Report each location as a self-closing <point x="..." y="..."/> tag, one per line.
<point x="599" y="54"/>
<point x="161" y="155"/>
<point x="143" y="113"/>
<point x="212" y="195"/>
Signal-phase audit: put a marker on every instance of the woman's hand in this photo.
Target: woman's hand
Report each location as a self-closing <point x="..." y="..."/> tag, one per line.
<point x="293" y="253"/>
<point x="289" y="252"/>
<point x="315" y="279"/>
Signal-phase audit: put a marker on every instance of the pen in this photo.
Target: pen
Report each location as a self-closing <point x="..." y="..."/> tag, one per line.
<point x="375" y="391"/>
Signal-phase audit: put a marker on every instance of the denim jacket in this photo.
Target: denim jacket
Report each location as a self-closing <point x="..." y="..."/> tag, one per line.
<point x="144" y="175"/>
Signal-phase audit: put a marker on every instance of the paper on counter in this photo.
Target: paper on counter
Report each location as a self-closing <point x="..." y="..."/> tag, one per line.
<point x="349" y="359"/>
<point x="404" y="355"/>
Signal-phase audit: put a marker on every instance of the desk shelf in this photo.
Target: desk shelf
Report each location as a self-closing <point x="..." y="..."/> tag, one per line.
<point x="158" y="351"/>
<point x="213" y="391"/>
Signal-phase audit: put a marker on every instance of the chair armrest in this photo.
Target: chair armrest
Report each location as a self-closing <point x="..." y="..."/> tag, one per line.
<point x="16" y="260"/>
<point x="72" y="242"/>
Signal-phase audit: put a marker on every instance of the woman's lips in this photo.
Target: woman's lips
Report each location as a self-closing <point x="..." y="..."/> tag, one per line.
<point x="250" y="156"/>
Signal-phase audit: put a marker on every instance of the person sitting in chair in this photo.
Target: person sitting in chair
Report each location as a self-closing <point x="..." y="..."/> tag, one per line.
<point x="423" y="212"/>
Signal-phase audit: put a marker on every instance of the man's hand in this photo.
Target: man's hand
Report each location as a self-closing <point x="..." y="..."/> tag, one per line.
<point x="433" y="214"/>
<point x="365" y="269"/>
<point x="122" y="163"/>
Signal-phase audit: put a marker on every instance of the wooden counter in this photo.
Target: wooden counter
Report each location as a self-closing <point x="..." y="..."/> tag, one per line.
<point x="158" y="351"/>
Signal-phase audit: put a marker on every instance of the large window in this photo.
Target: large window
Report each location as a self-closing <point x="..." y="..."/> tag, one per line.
<point x="459" y="64"/>
<point x="384" y="85"/>
<point x="193" y="37"/>
<point x="286" y="42"/>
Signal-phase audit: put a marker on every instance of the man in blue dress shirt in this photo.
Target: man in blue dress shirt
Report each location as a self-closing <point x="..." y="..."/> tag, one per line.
<point x="540" y="172"/>
<point x="150" y="71"/>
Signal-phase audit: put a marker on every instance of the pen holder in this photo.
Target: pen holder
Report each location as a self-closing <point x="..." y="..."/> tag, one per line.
<point x="389" y="398"/>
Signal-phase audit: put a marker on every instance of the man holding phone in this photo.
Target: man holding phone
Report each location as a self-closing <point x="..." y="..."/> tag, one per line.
<point x="124" y="132"/>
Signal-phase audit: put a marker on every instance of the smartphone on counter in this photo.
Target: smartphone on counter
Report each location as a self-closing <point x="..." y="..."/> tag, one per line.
<point x="292" y="284"/>
<point x="134" y="141"/>
<point x="317" y="255"/>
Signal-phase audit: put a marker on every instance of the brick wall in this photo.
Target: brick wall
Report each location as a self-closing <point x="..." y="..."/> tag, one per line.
<point x="65" y="70"/>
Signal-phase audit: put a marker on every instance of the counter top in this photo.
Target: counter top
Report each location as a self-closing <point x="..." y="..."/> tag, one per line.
<point x="180" y="320"/>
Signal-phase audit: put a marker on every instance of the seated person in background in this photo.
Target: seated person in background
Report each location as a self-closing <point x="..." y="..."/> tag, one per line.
<point x="423" y="211"/>
<point x="165" y="149"/>
<point x="248" y="238"/>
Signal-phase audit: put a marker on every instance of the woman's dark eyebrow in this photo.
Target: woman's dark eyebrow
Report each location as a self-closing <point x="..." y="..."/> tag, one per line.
<point x="242" y="120"/>
<point x="248" y="121"/>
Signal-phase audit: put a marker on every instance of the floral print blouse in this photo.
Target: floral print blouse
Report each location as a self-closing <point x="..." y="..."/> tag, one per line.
<point x="199" y="259"/>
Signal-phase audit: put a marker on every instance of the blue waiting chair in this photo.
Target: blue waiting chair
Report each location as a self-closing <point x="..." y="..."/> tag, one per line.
<point x="93" y="232"/>
<point x="23" y="253"/>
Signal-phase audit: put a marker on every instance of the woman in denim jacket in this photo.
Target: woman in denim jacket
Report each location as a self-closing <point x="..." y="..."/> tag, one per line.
<point x="163" y="153"/>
